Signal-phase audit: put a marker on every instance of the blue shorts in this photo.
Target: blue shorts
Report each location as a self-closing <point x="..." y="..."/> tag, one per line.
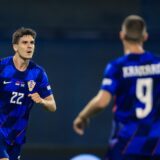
<point x="12" y="152"/>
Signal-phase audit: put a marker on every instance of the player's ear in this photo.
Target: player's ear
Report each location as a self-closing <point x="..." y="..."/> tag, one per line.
<point x="121" y="35"/>
<point x="145" y="37"/>
<point x="15" y="47"/>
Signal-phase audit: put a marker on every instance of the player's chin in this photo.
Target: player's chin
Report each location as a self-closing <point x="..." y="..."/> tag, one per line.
<point x="28" y="57"/>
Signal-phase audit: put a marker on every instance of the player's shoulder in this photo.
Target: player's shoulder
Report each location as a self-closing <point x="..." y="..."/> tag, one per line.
<point x="6" y="60"/>
<point x="155" y="56"/>
<point x="36" y="67"/>
<point x="114" y="65"/>
<point x="118" y="61"/>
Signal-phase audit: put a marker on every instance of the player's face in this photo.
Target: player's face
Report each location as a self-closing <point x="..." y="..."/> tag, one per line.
<point x="25" y="47"/>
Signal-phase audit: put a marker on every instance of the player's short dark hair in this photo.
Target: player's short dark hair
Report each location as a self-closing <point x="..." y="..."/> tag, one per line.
<point x="135" y="28"/>
<point x="21" y="32"/>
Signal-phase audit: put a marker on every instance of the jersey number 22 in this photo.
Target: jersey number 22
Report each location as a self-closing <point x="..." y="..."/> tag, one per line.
<point x="16" y="98"/>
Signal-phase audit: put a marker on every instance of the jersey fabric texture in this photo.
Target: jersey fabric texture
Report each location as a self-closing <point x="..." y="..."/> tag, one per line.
<point x="134" y="80"/>
<point x="15" y="104"/>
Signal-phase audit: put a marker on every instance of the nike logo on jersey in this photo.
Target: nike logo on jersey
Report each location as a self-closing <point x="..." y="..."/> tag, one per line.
<point x="6" y="82"/>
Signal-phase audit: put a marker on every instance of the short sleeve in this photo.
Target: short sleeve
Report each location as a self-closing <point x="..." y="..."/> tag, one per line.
<point x="110" y="78"/>
<point x="44" y="88"/>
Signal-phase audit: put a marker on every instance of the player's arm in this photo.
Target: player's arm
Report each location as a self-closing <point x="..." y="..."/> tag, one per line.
<point x="48" y="102"/>
<point x="95" y="105"/>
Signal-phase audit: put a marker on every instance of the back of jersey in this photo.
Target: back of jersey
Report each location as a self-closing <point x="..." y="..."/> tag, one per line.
<point x="135" y="81"/>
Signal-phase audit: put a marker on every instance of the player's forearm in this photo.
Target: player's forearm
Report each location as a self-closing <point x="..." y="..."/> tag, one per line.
<point x="49" y="105"/>
<point x="91" y="109"/>
<point x="96" y="105"/>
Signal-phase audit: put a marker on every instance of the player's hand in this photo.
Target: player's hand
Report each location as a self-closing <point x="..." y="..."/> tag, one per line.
<point x="36" y="98"/>
<point x="79" y="125"/>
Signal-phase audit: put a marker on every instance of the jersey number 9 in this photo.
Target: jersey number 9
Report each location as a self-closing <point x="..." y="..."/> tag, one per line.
<point x="144" y="88"/>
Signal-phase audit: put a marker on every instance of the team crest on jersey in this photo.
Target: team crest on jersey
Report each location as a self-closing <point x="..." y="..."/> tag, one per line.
<point x="31" y="85"/>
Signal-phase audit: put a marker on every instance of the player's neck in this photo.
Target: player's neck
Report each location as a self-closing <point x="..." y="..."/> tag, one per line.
<point x="20" y="63"/>
<point x="133" y="48"/>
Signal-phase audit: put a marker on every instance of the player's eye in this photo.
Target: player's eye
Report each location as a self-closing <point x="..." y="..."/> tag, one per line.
<point x="24" y="42"/>
<point x="32" y="42"/>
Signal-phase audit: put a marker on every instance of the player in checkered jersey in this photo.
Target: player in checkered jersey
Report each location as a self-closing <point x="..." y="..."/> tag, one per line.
<point x="22" y="83"/>
<point x="134" y="82"/>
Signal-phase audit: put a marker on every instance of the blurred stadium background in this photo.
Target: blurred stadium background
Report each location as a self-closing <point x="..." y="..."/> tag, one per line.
<point x="75" y="41"/>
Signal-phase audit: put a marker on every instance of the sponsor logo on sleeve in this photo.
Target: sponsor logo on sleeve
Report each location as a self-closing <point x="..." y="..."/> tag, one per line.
<point x="48" y="87"/>
<point x="106" y="81"/>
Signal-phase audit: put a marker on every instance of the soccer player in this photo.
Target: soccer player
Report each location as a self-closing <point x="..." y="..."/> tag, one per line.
<point x="133" y="80"/>
<point x="22" y="83"/>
